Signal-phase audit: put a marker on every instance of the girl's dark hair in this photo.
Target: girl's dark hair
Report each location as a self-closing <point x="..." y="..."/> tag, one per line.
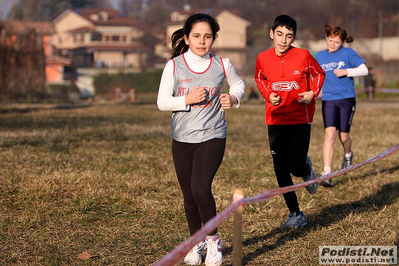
<point x="178" y="45"/>
<point x="337" y="31"/>
<point x="285" y="21"/>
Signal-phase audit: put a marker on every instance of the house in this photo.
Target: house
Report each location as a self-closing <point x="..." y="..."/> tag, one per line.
<point x="94" y="37"/>
<point x="232" y="37"/>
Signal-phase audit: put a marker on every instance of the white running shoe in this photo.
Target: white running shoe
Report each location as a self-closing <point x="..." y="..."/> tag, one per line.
<point x="326" y="183"/>
<point x="214" y="255"/>
<point x="193" y="257"/>
<point x="346" y="162"/>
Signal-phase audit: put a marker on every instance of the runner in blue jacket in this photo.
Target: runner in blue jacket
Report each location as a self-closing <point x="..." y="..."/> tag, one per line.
<point x="341" y="64"/>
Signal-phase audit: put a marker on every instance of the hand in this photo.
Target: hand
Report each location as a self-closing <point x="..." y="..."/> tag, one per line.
<point x="227" y="101"/>
<point x="340" y="72"/>
<point x="306" y="97"/>
<point x="275" y="99"/>
<point x="196" y="95"/>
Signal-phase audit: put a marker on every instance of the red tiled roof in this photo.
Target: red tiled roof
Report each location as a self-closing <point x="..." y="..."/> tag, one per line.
<point x="115" y="17"/>
<point x="210" y="11"/>
<point x="126" y="48"/>
<point x="88" y="11"/>
<point x="58" y="61"/>
<point x="23" y="27"/>
<point x="214" y="12"/>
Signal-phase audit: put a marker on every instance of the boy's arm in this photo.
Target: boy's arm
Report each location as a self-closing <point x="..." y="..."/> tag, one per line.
<point x="261" y="81"/>
<point x="318" y="76"/>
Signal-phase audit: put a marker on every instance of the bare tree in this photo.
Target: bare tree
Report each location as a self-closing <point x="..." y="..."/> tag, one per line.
<point x="46" y="10"/>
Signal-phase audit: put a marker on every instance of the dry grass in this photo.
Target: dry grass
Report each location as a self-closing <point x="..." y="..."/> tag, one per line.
<point x="101" y="179"/>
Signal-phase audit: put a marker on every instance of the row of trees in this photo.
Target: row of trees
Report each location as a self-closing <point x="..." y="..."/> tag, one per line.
<point x="25" y="77"/>
<point x="361" y="18"/>
<point x="46" y="10"/>
<point x="22" y="74"/>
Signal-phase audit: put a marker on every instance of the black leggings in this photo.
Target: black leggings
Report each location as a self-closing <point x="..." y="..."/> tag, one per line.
<point x="289" y="145"/>
<point x="196" y="165"/>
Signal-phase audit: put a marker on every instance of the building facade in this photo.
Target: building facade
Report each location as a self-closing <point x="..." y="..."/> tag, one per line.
<point x="232" y="37"/>
<point x="93" y="37"/>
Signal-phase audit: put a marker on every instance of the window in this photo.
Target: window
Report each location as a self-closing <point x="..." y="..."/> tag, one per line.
<point x="115" y="38"/>
<point x="96" y="37"/>
<point x="80" y="37"/>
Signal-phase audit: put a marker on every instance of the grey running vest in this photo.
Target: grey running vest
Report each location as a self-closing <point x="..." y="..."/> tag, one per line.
<point x="205" y="120"/>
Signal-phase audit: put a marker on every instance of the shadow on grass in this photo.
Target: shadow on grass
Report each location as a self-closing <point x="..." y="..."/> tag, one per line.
<point x="27" y="108"/>
<point x="327" y="216"/>
<point x="364" y="176"/>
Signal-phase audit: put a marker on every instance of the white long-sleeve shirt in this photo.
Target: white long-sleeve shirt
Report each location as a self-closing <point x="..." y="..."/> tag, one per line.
<point x="167" y="102"/>
<point x="361" y="70"/>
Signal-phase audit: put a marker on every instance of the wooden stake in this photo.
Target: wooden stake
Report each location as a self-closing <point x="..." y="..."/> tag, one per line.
<point x="237" y="234"/>
<point x="132" y="95"/>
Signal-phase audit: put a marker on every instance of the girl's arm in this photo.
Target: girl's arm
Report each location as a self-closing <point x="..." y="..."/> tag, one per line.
<point x="361" y="70"/>
<point x="235" y="83"/>
<point x="166" y="100"/>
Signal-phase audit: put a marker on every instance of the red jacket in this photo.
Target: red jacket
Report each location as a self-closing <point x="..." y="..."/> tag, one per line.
<point x="288" y="75"/>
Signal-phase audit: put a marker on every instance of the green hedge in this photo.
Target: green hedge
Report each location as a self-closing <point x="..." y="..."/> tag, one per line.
<point x="141" y="82"/>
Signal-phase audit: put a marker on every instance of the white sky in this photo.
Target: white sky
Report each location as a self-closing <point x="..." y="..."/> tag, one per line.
<point x="5" y="6"/>
<point x="115" y="3"/>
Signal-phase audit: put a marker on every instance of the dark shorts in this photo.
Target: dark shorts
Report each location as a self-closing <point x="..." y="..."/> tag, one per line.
<point x="339" y="113"/>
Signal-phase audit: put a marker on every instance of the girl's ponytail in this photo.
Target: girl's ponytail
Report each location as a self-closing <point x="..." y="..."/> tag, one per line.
<point x="179" y="46"/>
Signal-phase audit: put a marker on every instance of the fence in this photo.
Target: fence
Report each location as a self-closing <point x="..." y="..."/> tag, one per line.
<point x="179" y="252"/>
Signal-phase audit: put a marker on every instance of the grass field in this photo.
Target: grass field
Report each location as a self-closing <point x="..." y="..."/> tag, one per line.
<point x="101" y="179"/>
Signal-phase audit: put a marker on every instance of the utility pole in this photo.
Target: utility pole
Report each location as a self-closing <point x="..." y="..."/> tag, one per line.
<point x="397" y="12"/>
<point x="299" y="27"/>
<point x="380" y="29"/>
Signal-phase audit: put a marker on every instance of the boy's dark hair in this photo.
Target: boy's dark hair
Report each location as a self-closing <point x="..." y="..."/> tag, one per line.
<point x="285" y="21"/>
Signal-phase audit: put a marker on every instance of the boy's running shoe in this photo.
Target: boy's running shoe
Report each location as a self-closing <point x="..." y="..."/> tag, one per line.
<point x="312" y="188"/>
